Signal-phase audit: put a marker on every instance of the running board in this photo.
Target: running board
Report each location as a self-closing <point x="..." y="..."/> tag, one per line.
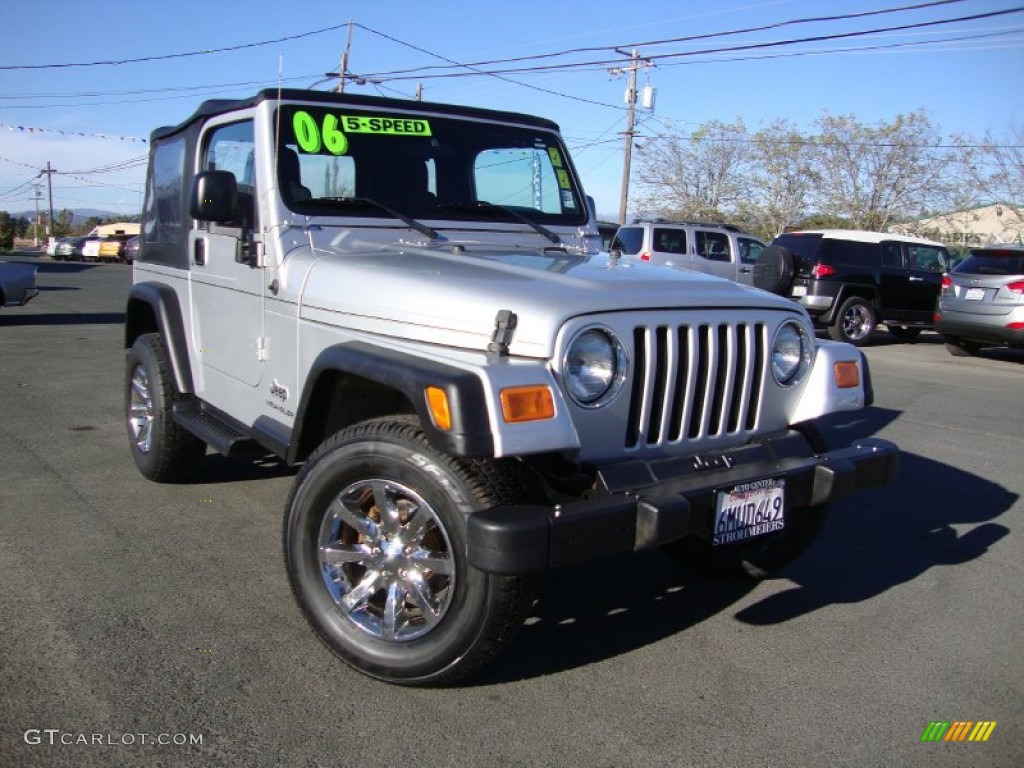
<point x="222" y="436"/>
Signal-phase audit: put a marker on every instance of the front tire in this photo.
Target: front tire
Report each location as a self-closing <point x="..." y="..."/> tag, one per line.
<point x="163" y="450"/>
<point x="375" y="547"/>
<point x="855" y="323"/>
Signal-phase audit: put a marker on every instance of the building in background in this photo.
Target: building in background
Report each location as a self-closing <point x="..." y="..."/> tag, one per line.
<point x="984" y="225"/>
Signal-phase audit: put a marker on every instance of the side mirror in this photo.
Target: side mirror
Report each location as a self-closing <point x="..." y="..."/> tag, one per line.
<point x="214" y="197"/>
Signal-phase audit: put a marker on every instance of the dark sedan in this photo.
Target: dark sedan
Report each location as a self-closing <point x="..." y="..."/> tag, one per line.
<point x="982" y="301"/>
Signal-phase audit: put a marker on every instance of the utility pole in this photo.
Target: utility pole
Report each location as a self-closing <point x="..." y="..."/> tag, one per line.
<point x="35" y="224"/>
<point x="343" y="68"/>
<point x="419" y="91"/>
<point x="635" y="63"/>
<point x="51" y="229"/>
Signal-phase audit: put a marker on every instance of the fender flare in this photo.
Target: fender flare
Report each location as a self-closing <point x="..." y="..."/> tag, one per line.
<point x="169" y="323"/>
<point x="470" y="434"/>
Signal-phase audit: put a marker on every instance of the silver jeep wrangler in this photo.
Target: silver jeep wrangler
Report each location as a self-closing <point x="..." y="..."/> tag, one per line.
<point x="408" y="300"/>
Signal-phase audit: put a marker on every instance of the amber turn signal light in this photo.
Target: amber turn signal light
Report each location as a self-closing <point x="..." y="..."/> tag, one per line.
<point x="847" y="375"/>
<point x="437" y="399"/>
<point x="531" y="403"/>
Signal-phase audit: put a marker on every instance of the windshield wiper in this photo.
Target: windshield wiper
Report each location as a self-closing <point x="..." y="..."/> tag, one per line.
<point x="410" y="222"/>
<point x="481" y="205"/>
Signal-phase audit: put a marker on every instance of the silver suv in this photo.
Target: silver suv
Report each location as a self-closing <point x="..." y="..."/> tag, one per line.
<point x="715" y="249"/>
<point x="409" y="301"/>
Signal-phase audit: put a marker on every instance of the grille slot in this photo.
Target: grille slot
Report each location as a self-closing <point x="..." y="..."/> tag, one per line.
<point x="695" y="381"/>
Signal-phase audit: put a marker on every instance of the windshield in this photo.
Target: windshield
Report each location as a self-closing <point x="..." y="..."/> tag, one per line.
<point x="344" y="161"/>
<point x="993" y="262"/>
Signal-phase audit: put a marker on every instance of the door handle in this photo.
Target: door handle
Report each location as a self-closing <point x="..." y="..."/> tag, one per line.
<point x="917" y="279"/>
<point x="199" y="252"/>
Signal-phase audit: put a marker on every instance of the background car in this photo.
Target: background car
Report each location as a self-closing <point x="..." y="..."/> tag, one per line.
<point x="70" y="248"/>
<point x="852" y="280"/>
<point x="982" y="301"/>
<point x="17" y="284"/>
<point x="715" y="249"/>
<point x="113" y="248"/>
<point x="131" y="249"/>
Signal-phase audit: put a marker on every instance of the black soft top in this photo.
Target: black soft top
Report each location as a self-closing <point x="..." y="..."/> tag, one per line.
<point x="221" y="106"/>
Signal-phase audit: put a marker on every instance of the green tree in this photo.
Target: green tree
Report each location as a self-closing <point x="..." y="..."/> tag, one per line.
<point x="8" y="228"/>
<point x="878" y="174"/>
<point x="696" y="176"/>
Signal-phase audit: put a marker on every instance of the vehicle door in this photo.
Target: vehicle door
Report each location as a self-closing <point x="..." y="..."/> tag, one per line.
<point x="925" y="266"/>
<point x="714" y="254"/>
<point x="748" y="250"/>
<point x="227" y="284"/>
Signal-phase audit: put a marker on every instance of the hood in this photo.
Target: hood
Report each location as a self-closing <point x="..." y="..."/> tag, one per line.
<point x="437" y="295"/>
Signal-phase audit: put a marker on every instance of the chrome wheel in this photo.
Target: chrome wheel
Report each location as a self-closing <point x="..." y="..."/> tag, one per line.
<point x="857" y="322"/>
<point x="141" y="410"/>
<point x="386" y="560"/>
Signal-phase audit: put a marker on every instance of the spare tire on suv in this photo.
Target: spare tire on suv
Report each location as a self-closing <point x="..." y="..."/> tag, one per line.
<point x="774" y="270"/>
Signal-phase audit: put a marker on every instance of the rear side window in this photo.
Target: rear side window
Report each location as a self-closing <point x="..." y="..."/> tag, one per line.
<point x="805" y="246"/>
<point x="629" y="240"/>
<point x="994" y="262"/>
<point x="670" y="240"/>
<point x="927" y="257"/>
<point x="163" y="226"/>
<point x="851" y="252"/>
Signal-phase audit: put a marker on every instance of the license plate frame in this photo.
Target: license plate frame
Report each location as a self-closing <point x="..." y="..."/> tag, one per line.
<point x="974" y="294"/>
<point x="748" y="511"/>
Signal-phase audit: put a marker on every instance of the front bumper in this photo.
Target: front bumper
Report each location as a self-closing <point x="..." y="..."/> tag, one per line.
<point x="647" y="504"/>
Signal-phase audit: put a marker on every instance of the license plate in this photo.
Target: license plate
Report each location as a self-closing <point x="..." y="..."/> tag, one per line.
<point x="748" y="510"/>
<point x="974" y="294"/>
<point x="799" y="291"/>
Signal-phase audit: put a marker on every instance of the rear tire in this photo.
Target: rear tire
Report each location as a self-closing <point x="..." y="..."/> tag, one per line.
<point x="375" y="547"/>
<point x="855" y="322"/>
<point x="163" y="450"/>
<point x="774" y="270"/>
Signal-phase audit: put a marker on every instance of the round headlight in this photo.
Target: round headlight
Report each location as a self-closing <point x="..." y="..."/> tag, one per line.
<point x="594" y="367"/>
<point x="791" y="354"/>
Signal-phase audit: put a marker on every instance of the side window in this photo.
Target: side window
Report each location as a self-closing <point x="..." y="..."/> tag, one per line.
<point x="891" y="255"/>
<point x="232" y="148"/>
<point x="713" y="246"/>
<point x="926" y="257"/>
<point x="670" y="240"/>
<point x="852" y="252"/>
<point x="750" y="250"/>
<point x="162" y="217"/>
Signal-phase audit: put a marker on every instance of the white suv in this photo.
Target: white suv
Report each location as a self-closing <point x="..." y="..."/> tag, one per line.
<point x="715" y="249"/>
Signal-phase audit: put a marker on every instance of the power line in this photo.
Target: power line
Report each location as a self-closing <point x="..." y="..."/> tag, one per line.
<point x="688" y="38"/>
<point x="709" y="51"/>
<point x="185" y="54"/>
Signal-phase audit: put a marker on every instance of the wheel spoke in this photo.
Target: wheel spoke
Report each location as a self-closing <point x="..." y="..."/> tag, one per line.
<point x="384" y="500"/>
<point x="394" y="610"/>
<point x="339" y="555"/>
<point x="435" y="562"/>
<point x="360" y="595"/>
<point x="422" y="596"/>
<point x="353" y="517"/>
<point x="416" y="528"/>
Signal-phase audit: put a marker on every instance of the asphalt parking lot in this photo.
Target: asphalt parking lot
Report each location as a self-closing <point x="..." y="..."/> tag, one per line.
<point x="153" y="625"/>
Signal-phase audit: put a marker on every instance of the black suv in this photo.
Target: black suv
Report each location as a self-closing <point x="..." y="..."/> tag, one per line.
<point x="850" y="280"/>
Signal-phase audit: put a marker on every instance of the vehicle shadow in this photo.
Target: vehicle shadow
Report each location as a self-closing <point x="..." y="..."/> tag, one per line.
<point x="64" y="318"/>
<point x="872" y="542"/>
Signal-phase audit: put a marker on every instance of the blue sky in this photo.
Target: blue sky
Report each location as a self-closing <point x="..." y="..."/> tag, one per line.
<point x="967" y="76"/>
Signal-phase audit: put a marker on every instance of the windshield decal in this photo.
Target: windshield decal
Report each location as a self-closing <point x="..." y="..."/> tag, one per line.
<point x="312" y="138"/>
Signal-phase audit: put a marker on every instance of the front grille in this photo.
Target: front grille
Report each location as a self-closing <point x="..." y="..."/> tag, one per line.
<point x="695" y="381"/>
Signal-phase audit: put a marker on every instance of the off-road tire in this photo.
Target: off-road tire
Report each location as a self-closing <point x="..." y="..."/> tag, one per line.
<point x="855" y="322"/>
<point x="903" y="332"/>
<point x="354" y="587"/>
<point x="775" y="270"/>
<point x="163" y="450"/>
<point x="764" y="555"/>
